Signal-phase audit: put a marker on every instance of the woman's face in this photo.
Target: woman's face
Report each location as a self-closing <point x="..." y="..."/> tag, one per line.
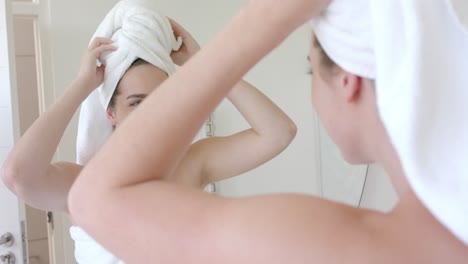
<point x="336" y="97"/>
<point x="134" y="87"/>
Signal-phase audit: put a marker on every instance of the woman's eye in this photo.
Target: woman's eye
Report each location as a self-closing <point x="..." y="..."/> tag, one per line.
<point x="133" y="104"/>
<point x="310" y="71"/>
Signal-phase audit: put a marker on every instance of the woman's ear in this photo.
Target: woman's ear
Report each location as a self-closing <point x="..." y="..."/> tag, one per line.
<point x="111" y="116"/>
<point x="352" y="87"/>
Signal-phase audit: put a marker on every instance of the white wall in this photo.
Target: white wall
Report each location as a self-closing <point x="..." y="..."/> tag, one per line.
<point x="379" y="193"/>
<point x="460" y="7"/>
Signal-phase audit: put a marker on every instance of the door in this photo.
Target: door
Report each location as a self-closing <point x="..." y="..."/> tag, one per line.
<point x="11" y="210"/>
<point x="28" y="53"/>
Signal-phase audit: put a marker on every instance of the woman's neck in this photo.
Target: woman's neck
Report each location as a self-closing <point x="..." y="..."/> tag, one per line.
<point x="388" y="158"/>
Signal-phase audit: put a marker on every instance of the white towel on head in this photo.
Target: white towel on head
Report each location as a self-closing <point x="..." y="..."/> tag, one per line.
<point x="420" y="63"/>
<point x="139" y="32"/>
<point x="345" y="34"/>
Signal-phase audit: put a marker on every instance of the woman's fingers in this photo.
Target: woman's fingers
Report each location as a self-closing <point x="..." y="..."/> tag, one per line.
<point x="99" y="42"/>
<point x="97" y="52"/>
<point x="179" y="31"/>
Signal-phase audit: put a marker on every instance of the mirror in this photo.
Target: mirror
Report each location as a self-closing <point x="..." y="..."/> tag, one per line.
<point x="312" y="164"/>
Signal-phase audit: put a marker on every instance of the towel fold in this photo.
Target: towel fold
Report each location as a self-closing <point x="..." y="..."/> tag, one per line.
<point x="139" y="32"/>
<point x="418" y="53"/>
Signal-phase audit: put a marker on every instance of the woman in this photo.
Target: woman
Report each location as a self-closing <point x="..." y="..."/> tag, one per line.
<point x="29" y="172"/>
<point x="174" y="224"/>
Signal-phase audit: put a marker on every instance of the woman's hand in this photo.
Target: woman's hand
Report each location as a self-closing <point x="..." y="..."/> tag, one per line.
<point x="189" y="46"/>
<point x="91" y="75"/>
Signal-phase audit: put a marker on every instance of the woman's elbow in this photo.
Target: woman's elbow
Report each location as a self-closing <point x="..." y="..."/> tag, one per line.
<point x="288" y="134"/>
<point x="292" y="131"/>
<point x="10" y="176"/>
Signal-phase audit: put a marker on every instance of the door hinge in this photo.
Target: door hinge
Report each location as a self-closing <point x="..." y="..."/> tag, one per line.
<point x="24" y="240"/>
<point x="50" y="219"/>
<point x="210" y="126"/>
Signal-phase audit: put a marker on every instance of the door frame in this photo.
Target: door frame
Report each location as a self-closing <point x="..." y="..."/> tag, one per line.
<point x="39" y="10"/>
